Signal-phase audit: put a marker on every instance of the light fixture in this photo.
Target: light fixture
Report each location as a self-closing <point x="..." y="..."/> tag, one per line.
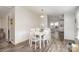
<point x="42" y="14"/>
<point x="56" y="24"/>
<point x="51" y="24"/>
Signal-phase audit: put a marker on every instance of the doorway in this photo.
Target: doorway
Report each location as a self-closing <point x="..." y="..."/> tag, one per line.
<point x="56" y="24"/>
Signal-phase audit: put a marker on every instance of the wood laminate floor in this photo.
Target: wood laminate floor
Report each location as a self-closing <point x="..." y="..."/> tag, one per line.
<point x="55" y="46"/>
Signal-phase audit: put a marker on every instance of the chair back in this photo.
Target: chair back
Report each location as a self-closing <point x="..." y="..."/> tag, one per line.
<point x="46" y="34"/>
<point x="33" y="36"/>
<point x="32" y="33"/>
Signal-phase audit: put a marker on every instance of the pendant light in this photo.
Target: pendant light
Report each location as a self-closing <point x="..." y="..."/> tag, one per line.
<point x="42" y="13"/>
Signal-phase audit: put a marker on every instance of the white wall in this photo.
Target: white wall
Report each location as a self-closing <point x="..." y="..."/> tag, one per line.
<point x="0" y="22"/>
<point x="69" y="25"/>
<point x="77" y="25"/>
<point x="3" y="24"/>
<point x="24" y="21"/>
<point x="77" y="17"/>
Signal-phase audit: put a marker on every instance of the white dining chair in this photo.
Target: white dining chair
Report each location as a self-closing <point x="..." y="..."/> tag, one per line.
<point x="33" y="38"/>
<point x="46" y="37"/>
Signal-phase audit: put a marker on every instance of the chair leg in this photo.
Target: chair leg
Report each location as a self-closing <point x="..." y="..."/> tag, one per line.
<point x="35" y="45"/>
<point x="47" y="43"/>
<point x="40" y="44"/>
<point x="44" y="43"/>
<point x="30" y="43"/>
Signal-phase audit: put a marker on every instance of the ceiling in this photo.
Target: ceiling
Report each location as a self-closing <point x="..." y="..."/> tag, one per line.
<point x="51" y="10"/>
<point x="4" y="10"/>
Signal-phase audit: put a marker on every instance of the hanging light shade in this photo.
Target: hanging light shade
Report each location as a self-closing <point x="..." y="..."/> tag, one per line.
<point x="42" y="15"/>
